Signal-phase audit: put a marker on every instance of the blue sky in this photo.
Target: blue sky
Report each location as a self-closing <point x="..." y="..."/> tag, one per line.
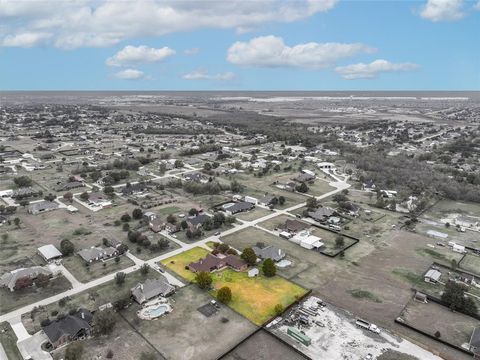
<point x="274" y="45"/>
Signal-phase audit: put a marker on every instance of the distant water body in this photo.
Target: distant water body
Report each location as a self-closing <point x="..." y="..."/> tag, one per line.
<point x="51" y="97"/>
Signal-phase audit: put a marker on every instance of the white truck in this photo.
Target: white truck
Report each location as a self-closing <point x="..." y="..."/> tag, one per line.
<point x="366" y="325"/>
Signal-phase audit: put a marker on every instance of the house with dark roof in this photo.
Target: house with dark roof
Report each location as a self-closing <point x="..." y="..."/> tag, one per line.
<point x="157" y="224"/>
<point x="195" y="177"/>
<point x="239" y="207"/>
<point x="196" y="222"/>
<point x="269" y="252"/>
<point x="151" y="288"/>
<point x="137" y="188"/>
<point x="304" y="177"/>
<point x="294" y="226"/>
<point x="321" y="214"/>
<point x="213" y="263"/>
<point x="97" y="253"/>
<point x="69" y="328"/>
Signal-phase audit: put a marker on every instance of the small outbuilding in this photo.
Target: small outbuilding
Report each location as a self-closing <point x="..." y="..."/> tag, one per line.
<point x="49" y="252"/>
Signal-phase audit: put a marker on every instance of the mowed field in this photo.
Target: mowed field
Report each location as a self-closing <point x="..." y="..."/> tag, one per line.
<point x="178" y="262"/>
<point x="256" y="297"/>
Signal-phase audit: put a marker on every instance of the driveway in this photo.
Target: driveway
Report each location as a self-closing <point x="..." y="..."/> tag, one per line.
<point x="32" y="346"/>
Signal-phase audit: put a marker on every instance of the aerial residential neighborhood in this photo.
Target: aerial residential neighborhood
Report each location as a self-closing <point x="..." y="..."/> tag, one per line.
<point x="239" y="180"/>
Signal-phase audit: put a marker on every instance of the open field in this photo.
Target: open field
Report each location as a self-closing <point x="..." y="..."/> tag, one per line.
<point x="253" y="214"/>
<point x="265" y="345"/>
<point x="454" y="327"/>
<point x="255" y="298"/>
<point x="13" y="300"/>
<point x="83" y="273"/>
<point x="471" y="263"/>
<point x="249" y="235"/>
<point x="8" y="340"/>
<point x="178" y="262"/>
<point x="90" y="299"/>
<point x="185" y="333"/>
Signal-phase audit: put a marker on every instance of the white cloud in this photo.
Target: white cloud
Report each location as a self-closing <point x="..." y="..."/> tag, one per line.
<point x="25" y="40"/>
<point x="442" y="10"/>
<point x="477" y="6"/>
<point x="141" y="54"/>
<point x="130" y="74"/>
<point x="271" y="51"/>
<point x="204" y="75"/>
<point x="192" y="51"/>
<point x="372" y="70"/>
<point x="97" y="23"/>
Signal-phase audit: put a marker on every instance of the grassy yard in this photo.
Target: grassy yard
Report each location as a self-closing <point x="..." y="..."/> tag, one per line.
<point x="13" y="300"/>
<point x="250" y="233"/>
<point x="169" y="210"/>
<point x="255" y="298"/>
<point x="8" y="339"/>
<point x="95" y="270"/>
<point x="178" y="262"/>
<point x="471" y="263"/>
<point x="442" y="255"/>
<point x="253" y="214"/>
<point x="364" y="294"/>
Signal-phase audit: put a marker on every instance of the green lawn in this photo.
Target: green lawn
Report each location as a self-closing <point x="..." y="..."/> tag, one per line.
<point x="169" y="210"/>
<point x="471" y="263"/>
<point x="8" y="339"/>
<point x="178" y="262"/>
<point x="255" y="298"/>
<point x="82" y="273"/>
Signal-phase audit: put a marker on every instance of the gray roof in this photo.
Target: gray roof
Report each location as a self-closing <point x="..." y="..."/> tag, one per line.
<point x="95" y="253"/>
<point x="151" y="288"/>
<point x="198" y="220"/>
<point x="49" y="251"/>
<point x="240" y="206"/>
<point x="269" y="252"/>
<point x="69" y="325"/>
<point x="475" y="339"/>
<point x="321" y="213"/>
<point x="10" y="279"/>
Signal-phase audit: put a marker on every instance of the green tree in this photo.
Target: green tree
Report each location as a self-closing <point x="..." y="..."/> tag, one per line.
<point x="281" y="199"/>
<point x="278" y="309"/>
<point x="109" y="190"/>
<point x="137" y="213"/>
<point x="22" y="181"/>
<point x="17" y="222"/>
<point x="104" y="321"/>
<point x="203" y="279"/>
<point x="302" y="188"/>
<point x="249" y="256"/>
<point x="74" y="351"/>
<point x="144" y="269"/>
<point x="224" y="295"/>
<point x="269" y="268"/>
<point x="120" y="278"/>
<point x="339" y="242"/>
<point x="454" y="295"/>
<point x="84" y="196"/>
<point x="312" y="203"/>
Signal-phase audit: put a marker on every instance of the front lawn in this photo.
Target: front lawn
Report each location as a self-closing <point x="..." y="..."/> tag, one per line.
<point x="8" y="339"/>
<point x="256" y="297"/>
<point x="83" y="273"/>
<point x="178" y="262"/>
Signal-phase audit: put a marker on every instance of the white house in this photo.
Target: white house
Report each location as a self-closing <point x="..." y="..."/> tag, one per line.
<point x="306" y="240"/>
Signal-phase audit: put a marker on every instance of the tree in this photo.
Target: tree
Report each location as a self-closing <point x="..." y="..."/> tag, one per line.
<point x="84" y="196"/>
<point x="50" y="197"/>
<point x="125" y="218"/>
<point x="22" y="181"/>
<point x="109" y="190"/>
<point x="74" y="351"/>
<point x="23" y="203"/>
<point x="66" y="247"/>
<point x="312" y="203"/>
<point x="437" y="334"/>
<point x="17" y="221"/>
<point x="137" y="213"/>
<point x="193" y="212"/>
<point x="278" y="309"/>
<point x="203" y="279"/>
<point x="104" y="321"/>
<point x="171" y="219"/>
<point x="339" y="242"/>
<point x="281" y="199"/>
<point x="120" y="278"/>
<point x="144" y="269"/>
<point x="224" y="295"/>
<point x="454" y="264"/>
<point x="23" y="283"/>
<point x="42" y="280"/>
<point x="269" y="268"/>
<point x="454" y="296"/>
<point x="302" y="188"/>
<point x="184" y="224"/>
<point x="178" y="164"/>
<point x="249" y="256"/>
<point x="68" y="196"/>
